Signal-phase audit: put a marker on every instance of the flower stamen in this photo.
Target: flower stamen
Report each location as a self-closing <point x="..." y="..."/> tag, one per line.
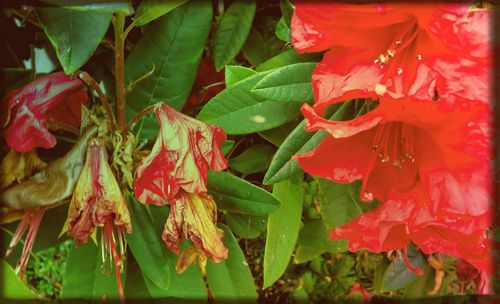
<point x="418" y="271"/>
<point x="394" y="141"/>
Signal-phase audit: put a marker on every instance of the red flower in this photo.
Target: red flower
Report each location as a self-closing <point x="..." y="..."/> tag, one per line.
<point x="397" y="222"/>
<point x="423" y="51"/>
<point x="466" y="272"/>
<point x="181" y="156"/>
<point x="357" y="289"/>
<point x="98" y="201"/>
<point x="26" y="111"/>
<point x="194" y="216"/>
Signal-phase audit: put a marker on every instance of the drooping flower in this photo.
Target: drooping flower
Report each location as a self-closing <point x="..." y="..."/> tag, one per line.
<point x="25" y="111"/>
<point x="194" y="217"/>
<point x="181" y="156"/>
<point x="424" y="51"/>
<point x="98" y="202"/>
<point x="397" y="222"/>
<point x="16" y="167"/>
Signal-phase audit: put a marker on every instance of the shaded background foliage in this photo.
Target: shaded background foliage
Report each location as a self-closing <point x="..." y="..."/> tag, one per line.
<point x="276" y="220"/>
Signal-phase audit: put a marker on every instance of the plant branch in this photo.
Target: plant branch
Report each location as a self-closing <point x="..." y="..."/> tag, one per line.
<point x="118" y="23"/>
<point x="90" y="82"/>
<point x="136" y="118"/>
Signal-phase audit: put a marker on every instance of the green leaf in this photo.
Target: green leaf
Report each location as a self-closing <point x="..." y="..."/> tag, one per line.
<point x="108" y="6"/>
<point x="12" y="287"/>
<point x="398" y="275"/>
<point x="187" y="285"/>
<point x="232" y="31"/>
<point x="172" y="46"/>
<point x="231" y="279"/>
<point x="234" y="194"/>
<point x="340" y="203"/>
<point x="150" y="10"/>
<point x="255" y="49"/>
<point x="299" y="141"/>
<point x="238" y="111"/>
<point x="277" y="135"/>
<point x="236" y="73"/>
<point x="314" y="239"/>
<point x="282" y="30"/>
<point x="418" y="289"/>
<point x="147" y="246"/>
<point x="286" y="10"/>
<point x="286" y="58"/>
<point x="84" y="277"/>
<point x="246" y="226"/>
<point x="252" y="160"/>
<point x="283" y="228"/>
<point x="290" y="83"/>
<point x="227" y="146"/>
<point x="74" y="35"/>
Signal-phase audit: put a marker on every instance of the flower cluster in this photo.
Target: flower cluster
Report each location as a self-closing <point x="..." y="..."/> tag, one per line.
<point x="424" y="151"/>
<point x="175" y="174"/>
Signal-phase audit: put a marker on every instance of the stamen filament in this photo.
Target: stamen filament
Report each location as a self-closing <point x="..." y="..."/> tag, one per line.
<point x="418" y="271"/>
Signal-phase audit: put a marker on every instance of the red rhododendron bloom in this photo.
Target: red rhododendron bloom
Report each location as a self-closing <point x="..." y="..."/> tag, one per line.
<point x="98" y="201"/>
<point x="181" y="156"/>
<point x="25" y="111"/>
<point x="425" y="51"/>
<point x="397" y="222"/>
<point x="194" y="216"/>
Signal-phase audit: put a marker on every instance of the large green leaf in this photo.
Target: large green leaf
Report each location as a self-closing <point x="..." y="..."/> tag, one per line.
<point x="12" y="287"/>
<point x="398" y="275"/>
<point x="238" y="111"/>
<point x="255" y="48"/>
<point x="314" y="239"/>
<point x="150" y="10"/>
<point x="231" y="279"/>
<point x="236" y="73"/>
<point x="84" y="277"/>
<point x="246" y="226"/>
<point x="237" y="195"/>
<point x="278" y="135"/>
<point x="171" y="47"/>
<point x="109" y="6"/>
<point x="146" y="245"/>
<point x="291" y="83"/>
<point x="232" y="31"/>
<point x="299" y="141"/>
<point x="283" y="228"/>
<point x="287" y="57"/>
<point x="75" y="35"/>
<point x="252" y="160"/>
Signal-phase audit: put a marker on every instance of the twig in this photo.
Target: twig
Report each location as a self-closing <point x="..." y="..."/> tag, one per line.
<point x="118" y="23"/>
<point x="136" y="118"/>
<point x="90" y="82"/>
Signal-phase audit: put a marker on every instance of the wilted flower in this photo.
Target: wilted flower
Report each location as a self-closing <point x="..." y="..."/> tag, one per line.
<point x="194" y="217"/>
<point x="181" y="156"/>
<point x="25" y="111"/>
<point x="98" y="201"/>
<point x="16" y="167"/>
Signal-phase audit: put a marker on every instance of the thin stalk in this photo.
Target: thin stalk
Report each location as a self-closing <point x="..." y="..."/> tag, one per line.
<point x="136" y="118"/>
<point x="118" y="23"/>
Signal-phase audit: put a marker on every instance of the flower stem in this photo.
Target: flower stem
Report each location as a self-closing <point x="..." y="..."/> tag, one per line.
<point x="118" y="23"/>
<point x="136" y="118"/>
<point x="90" y="82"/>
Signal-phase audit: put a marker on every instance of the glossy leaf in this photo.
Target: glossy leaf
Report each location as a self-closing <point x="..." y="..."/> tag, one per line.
<point x="109" y="6"/>
<point x="290" y="83"/>
<point x="246" y="226"/>
<point x="84" y="278"/>
<point x="172" y="48"/>
<point x="232" y="31"/>
<point x="252" y="160"/>
<point x="282" y="30"/>
<point x="147" y="246"/>
<point x="12" y="287"/>
<point x="283" y="228"/>
<point x="231" y="279"/>
<point x="398" y="275"/>
<point x="314" y="239"/>
<point x="238" y="111"/>
<point x="236" y="73"/>
<point x="234" y="194"/>
<point x="277" y="135"/>
<point x="74" y="35"/>
<point x="298" y="142"/>
<point x="286" y="58"/>
<point x="150" y="10"/>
